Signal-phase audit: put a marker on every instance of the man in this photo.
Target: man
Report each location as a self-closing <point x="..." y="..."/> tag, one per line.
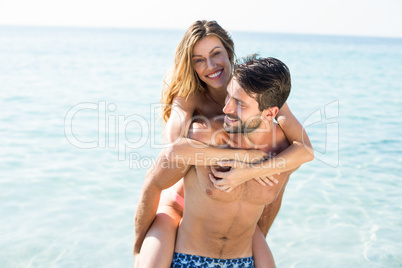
<point x="219" y="225"/>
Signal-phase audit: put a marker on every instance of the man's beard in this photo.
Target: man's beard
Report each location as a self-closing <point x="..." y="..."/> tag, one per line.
<point x="244" y="127"/>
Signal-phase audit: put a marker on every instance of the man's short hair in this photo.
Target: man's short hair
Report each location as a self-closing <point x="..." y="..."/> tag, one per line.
<point x="267" y="80"/>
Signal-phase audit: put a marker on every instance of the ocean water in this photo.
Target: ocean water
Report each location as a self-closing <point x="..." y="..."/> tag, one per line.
<point x="79" y="129"/>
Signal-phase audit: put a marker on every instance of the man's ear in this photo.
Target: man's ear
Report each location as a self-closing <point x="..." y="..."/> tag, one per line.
<point x="270" y="113"/>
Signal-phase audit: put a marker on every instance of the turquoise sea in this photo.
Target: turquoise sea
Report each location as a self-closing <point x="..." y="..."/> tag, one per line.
<point x="78" y="129"/>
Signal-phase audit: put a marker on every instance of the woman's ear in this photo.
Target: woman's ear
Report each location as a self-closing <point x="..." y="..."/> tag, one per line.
<point x="270" y="113"/>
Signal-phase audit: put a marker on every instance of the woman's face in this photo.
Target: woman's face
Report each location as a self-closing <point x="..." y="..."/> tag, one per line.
<point x="211" y="62"/>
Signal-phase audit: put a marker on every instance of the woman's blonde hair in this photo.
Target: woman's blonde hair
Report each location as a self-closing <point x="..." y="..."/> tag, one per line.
<point x="183" y="80"/>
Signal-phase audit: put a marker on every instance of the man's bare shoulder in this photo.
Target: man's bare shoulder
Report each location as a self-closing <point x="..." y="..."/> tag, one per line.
<point x="209" y="131"/>
<point x="280" y="141"/>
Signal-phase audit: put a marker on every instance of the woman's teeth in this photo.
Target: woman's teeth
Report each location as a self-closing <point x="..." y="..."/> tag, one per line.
<point x="215" y="74"/>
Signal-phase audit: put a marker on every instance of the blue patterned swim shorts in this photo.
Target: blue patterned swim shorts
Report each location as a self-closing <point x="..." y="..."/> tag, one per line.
<point x="181" y="260"/>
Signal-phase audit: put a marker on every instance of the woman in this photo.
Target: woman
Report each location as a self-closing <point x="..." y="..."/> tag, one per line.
<point x="197" y="86"/>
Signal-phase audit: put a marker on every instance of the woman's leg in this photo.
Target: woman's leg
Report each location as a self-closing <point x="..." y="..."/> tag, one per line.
<point x="261" y="253"/>
<point x="158" y="246"/>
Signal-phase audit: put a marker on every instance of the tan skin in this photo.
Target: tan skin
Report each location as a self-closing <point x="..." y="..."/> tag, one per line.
<point x="182" y="111"/>
<point x="220" y="224"/>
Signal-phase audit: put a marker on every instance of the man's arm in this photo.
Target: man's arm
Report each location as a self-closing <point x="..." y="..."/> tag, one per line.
<point x="271" y="210"/>
<point x="162" y="175"/>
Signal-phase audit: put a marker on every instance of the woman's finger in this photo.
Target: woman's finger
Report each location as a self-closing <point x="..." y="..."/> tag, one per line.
<point x="218" y="183"/>
<point x="273" y="179"/>
<point x="215" y="172"/>
<point x="220" y="174"/>
<point x="267" y="181"/>
<point x="229" y="189"/>
<point x="224" y="182"/>
<point x="260" y="181"/>
<point x="212" y="178"/>
<point x="222" y="187"/>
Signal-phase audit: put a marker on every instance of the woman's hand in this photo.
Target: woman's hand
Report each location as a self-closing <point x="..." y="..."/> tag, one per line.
<point x="230" y="174"/>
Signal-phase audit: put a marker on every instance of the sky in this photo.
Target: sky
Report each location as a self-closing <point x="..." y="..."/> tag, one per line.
<point x="341" y="17"/>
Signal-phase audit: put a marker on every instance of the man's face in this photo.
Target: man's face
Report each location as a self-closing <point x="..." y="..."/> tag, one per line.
<point x="241" y="111"/>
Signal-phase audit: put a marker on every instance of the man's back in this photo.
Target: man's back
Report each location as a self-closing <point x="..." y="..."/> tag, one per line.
<point x="218" y="224"/>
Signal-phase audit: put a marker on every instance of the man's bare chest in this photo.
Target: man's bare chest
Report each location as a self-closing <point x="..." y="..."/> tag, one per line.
<point x="250" y="192"/>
